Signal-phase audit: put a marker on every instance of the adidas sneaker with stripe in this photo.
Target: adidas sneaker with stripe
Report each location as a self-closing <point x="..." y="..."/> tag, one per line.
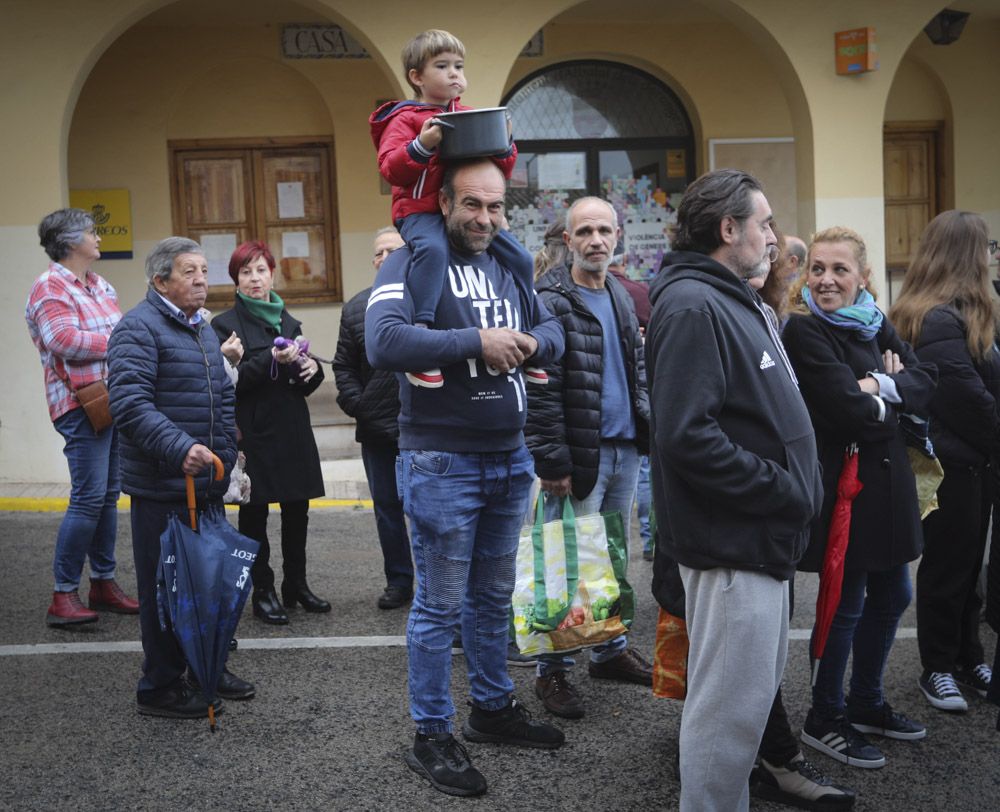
<point x="837" y="739"/>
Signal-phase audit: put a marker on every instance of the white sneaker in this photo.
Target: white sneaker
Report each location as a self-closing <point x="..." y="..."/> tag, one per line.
<point x="941" y="691"/>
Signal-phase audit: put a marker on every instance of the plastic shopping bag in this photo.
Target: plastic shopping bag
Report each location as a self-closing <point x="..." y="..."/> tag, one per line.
<point x="571" y="591"/>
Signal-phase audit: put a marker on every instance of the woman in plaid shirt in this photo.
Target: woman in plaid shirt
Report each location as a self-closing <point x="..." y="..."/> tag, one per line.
<point x="70" y="313"/>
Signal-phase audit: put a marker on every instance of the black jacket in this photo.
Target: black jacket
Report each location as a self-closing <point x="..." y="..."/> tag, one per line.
<point x="736" y="479"/>
<point x="965" y="422"/>
<point x="272" y="414"/>
<point x="563" y="429"/>
<point x="829" y="362"/>
<point x="370" y="396"/>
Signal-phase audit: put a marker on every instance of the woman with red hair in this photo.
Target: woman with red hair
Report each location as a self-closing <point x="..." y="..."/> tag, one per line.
<point x="277" y="438"/>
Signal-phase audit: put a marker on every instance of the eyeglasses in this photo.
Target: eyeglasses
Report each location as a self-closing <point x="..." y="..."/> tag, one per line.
<point x="993" y="248"/>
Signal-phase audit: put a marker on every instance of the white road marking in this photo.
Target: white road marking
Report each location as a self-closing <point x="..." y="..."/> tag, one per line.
<point x="264" y="643"/>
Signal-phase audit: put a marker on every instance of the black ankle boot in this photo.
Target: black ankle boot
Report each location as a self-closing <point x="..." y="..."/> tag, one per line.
<point x="268" y="608"/>
<point x="299" y="592"/>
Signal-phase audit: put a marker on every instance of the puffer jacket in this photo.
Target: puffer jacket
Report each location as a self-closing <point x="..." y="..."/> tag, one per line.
<point x="370" y="396"/>
<point x="168" y="390"/>
<point x="563" y="428"/>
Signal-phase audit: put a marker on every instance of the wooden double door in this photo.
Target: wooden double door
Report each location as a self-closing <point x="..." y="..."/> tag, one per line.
<point x="912" y="163"/>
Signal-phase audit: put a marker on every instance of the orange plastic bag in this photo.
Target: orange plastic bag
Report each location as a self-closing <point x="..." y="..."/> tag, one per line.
<point x="670" y="657"/>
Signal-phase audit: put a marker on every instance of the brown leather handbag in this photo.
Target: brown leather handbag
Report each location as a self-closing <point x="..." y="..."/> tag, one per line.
<point x="94" y="399"/>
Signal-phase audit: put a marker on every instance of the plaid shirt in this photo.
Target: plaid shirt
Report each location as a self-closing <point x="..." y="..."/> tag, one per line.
<point x="70" y="324"/>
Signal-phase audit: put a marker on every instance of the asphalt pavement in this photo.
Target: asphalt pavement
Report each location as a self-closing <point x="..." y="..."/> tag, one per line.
<point x="329" y="725"/>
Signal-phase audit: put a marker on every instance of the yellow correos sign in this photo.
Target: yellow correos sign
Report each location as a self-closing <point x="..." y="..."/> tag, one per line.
<point x="112" y="215"/>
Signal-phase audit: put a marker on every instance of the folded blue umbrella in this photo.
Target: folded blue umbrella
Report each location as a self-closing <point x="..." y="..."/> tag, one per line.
<point x="202" y="584"/>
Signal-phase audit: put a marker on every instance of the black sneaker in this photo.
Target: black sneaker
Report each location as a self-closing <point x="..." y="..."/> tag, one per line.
<point x="976" y="677"/>
<point x="941" y="691"/>
<point x="441" y="759"/>
<point x="511" y="725"/>
<point x="837" y="739"/>
<point x="178" y="702"/>
<point x="799" y="783"/>
<point x="885" y="722"/>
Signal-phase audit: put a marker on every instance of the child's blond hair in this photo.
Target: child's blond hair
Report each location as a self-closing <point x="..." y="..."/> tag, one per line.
<point x="428" y="45"/>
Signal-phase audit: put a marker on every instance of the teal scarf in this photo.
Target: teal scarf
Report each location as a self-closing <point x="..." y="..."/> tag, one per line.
<point x="267" y="312"/>
<point x="862" y="317"/>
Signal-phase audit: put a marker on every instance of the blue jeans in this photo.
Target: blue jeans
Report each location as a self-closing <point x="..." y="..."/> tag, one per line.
<point x="465" y="512"/>
<point x="614" y="490"/>
<point x="644" y="499"/>
<point x="867" y="624"/>
<point x="380" y="469"/>
<point x="90" y="525"/>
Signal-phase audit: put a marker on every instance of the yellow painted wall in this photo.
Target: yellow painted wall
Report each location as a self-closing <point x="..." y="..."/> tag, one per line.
<point x="734" y="94"/>
<point x="969" y="71"/>
<point x="743" y="67"/>
<point x="240" y="88"/>
<point x="146" y="89"/>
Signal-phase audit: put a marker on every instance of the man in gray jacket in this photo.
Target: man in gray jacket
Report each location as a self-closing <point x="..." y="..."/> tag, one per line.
<point x="735" y="476"/>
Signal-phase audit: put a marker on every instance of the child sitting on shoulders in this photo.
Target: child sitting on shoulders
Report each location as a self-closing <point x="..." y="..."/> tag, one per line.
<point x="407" y="135"/>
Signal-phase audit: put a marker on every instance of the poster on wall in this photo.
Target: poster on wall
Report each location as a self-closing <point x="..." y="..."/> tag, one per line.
<point x="646" y="241"/>
<point x="112" y="213"/>
<point x="218" y="249"/>
<point x="562" y="170"/>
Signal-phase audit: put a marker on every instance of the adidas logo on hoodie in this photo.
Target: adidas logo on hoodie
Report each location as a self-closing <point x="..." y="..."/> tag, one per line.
<point x="765" y="361"/>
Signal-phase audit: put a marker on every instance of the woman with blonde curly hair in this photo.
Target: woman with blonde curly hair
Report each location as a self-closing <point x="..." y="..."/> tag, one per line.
<point x="946" y="309"/>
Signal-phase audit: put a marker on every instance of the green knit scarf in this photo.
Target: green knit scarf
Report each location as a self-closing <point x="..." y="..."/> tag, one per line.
<point x="267" y="312"/>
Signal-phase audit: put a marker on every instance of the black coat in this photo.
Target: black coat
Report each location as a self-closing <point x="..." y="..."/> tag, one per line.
<point x="829" y="361"/>
<point x="965" y="422"/>
<point x="563" y="428"/>
<point x="272" y="414"/>
<point x="370" y="396"/>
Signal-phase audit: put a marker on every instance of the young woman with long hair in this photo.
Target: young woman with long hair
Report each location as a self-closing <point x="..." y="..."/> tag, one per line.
<point x="946" y="310"/>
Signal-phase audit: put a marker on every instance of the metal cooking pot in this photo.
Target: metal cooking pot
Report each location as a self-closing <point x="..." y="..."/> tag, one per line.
<point x="474" y="133"/>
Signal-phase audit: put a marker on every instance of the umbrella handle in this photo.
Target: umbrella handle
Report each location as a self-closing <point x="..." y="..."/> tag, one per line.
<point x="220" y="472"/>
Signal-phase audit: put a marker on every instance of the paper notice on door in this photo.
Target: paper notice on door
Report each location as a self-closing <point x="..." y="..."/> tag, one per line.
<point x="218" y="249"/>
<point x="291" y="201"/>
<point x="295" y="244"/>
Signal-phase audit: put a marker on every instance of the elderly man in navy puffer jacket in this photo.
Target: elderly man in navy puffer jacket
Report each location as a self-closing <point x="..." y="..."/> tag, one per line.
<point x="174" y="406"/>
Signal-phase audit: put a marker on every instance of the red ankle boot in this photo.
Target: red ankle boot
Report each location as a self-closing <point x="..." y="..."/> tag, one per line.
<point x="108" y="595"/>
<point x="67" y="610"/>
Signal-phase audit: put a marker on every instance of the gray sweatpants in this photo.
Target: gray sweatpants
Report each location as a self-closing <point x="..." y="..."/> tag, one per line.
<point x="737" y="623"/>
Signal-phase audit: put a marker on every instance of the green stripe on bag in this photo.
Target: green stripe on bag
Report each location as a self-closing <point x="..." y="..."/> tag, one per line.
<point x="549" y="613"/>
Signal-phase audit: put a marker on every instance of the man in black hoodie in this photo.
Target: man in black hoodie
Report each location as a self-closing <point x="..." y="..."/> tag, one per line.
<point x="736" y="476"/>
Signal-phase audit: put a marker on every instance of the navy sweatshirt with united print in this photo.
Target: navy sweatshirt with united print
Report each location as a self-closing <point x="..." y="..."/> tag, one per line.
<point x="478" y="408"/>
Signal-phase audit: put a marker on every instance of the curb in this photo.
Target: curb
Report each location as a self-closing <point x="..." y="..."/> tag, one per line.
<point x="58" y="504"/>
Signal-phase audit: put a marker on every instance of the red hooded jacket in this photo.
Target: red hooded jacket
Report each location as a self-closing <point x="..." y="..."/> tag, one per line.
<point x="414" y="172"/>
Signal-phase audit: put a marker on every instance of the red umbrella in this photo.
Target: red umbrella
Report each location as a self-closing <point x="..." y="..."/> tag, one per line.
<point x="831" y="578"/>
